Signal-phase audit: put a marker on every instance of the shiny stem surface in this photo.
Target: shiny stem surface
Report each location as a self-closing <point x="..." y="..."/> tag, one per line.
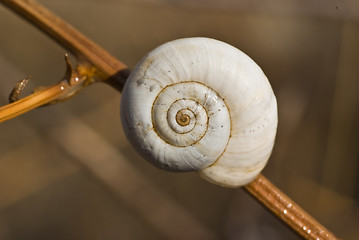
<point x="287" y="210"/>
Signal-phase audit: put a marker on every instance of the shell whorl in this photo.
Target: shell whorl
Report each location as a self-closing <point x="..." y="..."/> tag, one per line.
<point x="201" y="104"/>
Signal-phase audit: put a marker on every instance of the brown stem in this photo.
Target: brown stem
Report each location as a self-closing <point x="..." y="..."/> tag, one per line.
<point x="287" y="210"/>
<point x="67" y="36"/>
<point x="58" y="92"/>
<point x="107" y="67"/>
<point x="32" y="101"/>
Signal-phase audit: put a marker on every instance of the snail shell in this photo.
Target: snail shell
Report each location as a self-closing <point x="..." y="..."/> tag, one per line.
<point x="200" y="104"/>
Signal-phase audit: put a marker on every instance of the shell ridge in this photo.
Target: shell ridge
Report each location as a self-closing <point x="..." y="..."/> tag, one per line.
<point x="212" y="109"/>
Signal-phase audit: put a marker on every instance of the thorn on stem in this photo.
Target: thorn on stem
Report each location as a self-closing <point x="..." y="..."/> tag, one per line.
<point x="19" y="87"/>
<point x="69" y="75"/>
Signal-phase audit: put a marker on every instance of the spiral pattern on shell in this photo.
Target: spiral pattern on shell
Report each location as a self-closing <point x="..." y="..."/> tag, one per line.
<point x="201" y="104"/>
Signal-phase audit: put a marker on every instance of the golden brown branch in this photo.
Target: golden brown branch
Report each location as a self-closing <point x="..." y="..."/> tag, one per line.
<point x="67" y="36"/>
<point x="107" y="67"/>
<point x="56" y="93"/>
<point x="287" y="210"/>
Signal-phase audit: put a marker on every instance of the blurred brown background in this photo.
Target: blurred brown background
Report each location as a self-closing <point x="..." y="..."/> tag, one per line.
<point x="67" y="172"/>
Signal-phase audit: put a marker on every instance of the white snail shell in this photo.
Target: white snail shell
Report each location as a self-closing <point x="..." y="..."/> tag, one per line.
<point x="201" y="104"/>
